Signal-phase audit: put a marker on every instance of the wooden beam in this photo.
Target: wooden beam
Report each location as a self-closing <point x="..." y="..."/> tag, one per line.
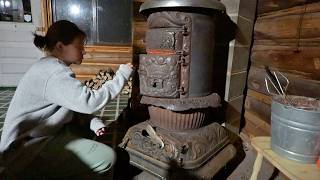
<point x="108" y="49"/>
<point x="91" y="69"/>
<point x="301" y="22"/>
<point x="261" y="110"/>
<point x="139" y="33"/>
<point x="259" y="96"/>
<point x="255" y="126"/>
<point x="265" y="6"/>
<point x="305" y="62"/>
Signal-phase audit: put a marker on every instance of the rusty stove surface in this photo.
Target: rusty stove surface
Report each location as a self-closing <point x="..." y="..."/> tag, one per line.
<point x="176" y="83"/>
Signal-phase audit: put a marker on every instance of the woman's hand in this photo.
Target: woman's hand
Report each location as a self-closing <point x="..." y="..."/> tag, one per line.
<point x="130" y="65"/>
<point x="101" y="131"/>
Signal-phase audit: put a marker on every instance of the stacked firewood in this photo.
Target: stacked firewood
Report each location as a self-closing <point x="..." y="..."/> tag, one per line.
<point x="128" y="87"/>
<point x="104" y="76"/>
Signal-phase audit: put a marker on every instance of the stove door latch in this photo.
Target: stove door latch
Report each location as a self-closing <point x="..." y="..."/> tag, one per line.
<point x="182" y="91"/>
<point x="184" y="59"/>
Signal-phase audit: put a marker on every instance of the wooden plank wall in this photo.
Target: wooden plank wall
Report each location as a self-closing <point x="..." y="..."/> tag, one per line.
<point x="287" y="39"/>
<point x="100" y="58"/>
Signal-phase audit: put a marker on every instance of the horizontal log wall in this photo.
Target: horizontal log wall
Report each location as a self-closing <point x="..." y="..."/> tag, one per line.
<point x="100" y="58"/>
<point x="265" y="6"/>
<point x="287" y="40"/>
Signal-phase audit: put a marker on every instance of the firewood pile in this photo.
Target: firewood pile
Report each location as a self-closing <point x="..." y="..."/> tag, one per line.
<point x="104" y="76"/>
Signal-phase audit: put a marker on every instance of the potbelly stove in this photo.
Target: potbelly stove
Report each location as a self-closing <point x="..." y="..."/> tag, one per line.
<point x="176" y="82"/>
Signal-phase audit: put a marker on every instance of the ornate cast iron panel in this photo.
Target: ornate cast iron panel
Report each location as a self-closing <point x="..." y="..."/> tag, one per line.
<point x="189" y="149"/>
<point x="169" y="34"/>
<point x="159" y="75"/>
<point x="213" y="100"/>
<point x="164" y="39"/>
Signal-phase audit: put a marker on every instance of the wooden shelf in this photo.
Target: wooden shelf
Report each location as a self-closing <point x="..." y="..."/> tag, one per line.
<point x="292" y="169"/>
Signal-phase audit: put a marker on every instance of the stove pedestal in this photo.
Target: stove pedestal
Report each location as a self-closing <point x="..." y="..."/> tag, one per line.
<point x="198" y="153"/>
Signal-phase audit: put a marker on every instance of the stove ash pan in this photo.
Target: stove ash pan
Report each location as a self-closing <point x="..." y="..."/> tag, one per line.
<point x="180" y="55"/>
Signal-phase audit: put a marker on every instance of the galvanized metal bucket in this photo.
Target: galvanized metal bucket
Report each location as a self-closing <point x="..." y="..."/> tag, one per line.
<point x="295" y="128"/>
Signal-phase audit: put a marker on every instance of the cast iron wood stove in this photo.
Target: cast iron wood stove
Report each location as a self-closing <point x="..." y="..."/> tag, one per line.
<point x="176" y="81"/>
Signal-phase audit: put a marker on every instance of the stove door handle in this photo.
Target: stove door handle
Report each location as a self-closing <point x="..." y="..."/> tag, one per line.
<point x="154" y="137"/>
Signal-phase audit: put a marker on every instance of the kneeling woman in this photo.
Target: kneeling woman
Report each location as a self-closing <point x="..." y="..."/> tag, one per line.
<point x="38" y="140"/>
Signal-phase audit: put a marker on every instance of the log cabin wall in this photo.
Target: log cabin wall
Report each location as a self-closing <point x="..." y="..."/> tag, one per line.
<point x="287" y="39"/>
<point x="99" y="58"/>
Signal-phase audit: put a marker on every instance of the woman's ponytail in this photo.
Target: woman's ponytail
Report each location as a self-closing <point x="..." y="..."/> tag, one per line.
<point x="61" y="31"/>
<point x="39" y="41"/>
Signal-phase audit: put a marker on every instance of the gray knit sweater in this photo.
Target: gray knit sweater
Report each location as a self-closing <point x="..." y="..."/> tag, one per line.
<point x="45" y="100"/>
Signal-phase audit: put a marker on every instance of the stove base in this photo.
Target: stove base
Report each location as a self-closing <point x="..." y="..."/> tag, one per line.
<point x="198" y="153"/>
<point x="152" y="171"/>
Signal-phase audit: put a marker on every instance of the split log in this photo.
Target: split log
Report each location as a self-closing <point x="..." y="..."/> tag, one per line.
<point x="102" y="77"/>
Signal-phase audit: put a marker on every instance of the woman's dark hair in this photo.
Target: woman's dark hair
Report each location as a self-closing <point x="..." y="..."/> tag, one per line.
<point x="63" y="31"/>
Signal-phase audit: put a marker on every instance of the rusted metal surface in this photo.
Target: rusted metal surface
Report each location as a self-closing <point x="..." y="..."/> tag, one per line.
<point x="299" y="102"/>
<point x="185" y="55"/>
<point x="156" y="170"/>
<point x="213" y="100"/>
<point x="191" y="37"/>
<point x="176" y="81"/>
<point x="169" y="33"/>
<point x="159" y="75"/>
<point x="172" y="120"/>
<point x="169" y="39"/>
<point x="189" y="149"/>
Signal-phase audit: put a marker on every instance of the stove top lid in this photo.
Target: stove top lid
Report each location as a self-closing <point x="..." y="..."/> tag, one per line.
<point x="207" y="4"/>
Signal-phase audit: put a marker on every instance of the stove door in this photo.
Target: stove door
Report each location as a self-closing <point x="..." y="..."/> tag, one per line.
<point x="159" y="75"/>
<point x="164" y="40"/>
